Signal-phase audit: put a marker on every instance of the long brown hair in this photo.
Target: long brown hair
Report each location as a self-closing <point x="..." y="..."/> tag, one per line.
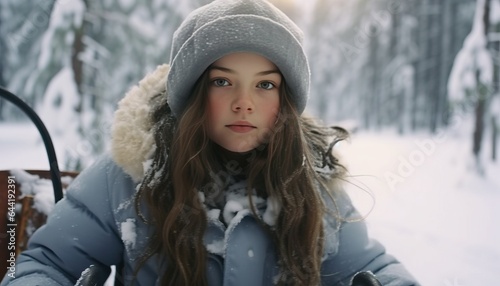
<point x="283" y="168"/>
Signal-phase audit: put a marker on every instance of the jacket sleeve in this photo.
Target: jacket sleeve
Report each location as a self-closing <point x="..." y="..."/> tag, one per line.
<point x="357" y="252"/>
<point x="79" y="232"/>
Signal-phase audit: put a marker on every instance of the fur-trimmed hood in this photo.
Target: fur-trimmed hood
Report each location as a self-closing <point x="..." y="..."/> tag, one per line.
<point x="133" y="144"/>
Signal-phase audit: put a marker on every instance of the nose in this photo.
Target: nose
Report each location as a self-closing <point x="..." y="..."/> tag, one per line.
<point x="243" y="102"/>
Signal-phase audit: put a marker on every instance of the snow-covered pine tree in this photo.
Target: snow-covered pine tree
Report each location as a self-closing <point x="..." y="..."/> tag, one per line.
<point x="386" y="65"/>
<point x="56" y="72"/>
<point x="336" y="48"/>
<point x="23" y="24"/>
<point x="494" y="39"/>
<point x="471" y="78"/>
<point x="122" y="41"/>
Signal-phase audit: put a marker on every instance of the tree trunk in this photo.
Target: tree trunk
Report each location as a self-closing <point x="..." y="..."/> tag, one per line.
<point x="76" y="63"/>
<point x="435" y="42"/>
<point x="481" y="94"/>
<point x="494" y="134"/>
<point x="479" y="126"/>
<point x="479" y="119"/>
<point x="446" y="62"/>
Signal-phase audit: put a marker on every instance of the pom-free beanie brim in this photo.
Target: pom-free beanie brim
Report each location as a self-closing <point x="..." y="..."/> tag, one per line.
<point x="231" y="34"/>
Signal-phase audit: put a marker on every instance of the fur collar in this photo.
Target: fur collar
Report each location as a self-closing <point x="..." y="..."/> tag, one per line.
<point x="132" y="143"/>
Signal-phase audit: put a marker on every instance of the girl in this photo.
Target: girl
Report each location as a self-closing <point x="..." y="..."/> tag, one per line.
<point x="215" y="177"/>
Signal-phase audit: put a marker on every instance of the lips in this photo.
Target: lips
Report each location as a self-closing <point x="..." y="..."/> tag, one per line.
<point x="241" y="126"/>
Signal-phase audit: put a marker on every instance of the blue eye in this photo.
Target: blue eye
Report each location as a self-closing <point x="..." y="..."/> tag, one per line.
<point x="266" y="85"/>
<point x="220" y="82"/>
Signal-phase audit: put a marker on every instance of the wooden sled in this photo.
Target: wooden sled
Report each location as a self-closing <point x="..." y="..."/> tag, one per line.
<point x="19" y="217"/>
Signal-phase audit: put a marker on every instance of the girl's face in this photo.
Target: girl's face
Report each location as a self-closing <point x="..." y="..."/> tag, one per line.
<point x="243" y="100"/>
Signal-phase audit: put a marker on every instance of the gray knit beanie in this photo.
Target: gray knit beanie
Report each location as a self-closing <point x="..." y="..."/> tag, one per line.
<point x="228" y="26"/>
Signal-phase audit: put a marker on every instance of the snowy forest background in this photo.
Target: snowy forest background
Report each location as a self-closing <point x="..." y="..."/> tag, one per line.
<point x="377" y="64"/>
<point x="415" y="81"/>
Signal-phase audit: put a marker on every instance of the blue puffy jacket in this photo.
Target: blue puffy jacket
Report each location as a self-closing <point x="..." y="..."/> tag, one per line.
<point x="96" y="224"/>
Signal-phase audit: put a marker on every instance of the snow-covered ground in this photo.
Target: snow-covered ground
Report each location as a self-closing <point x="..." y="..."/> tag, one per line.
<point x="430" y="209"/>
